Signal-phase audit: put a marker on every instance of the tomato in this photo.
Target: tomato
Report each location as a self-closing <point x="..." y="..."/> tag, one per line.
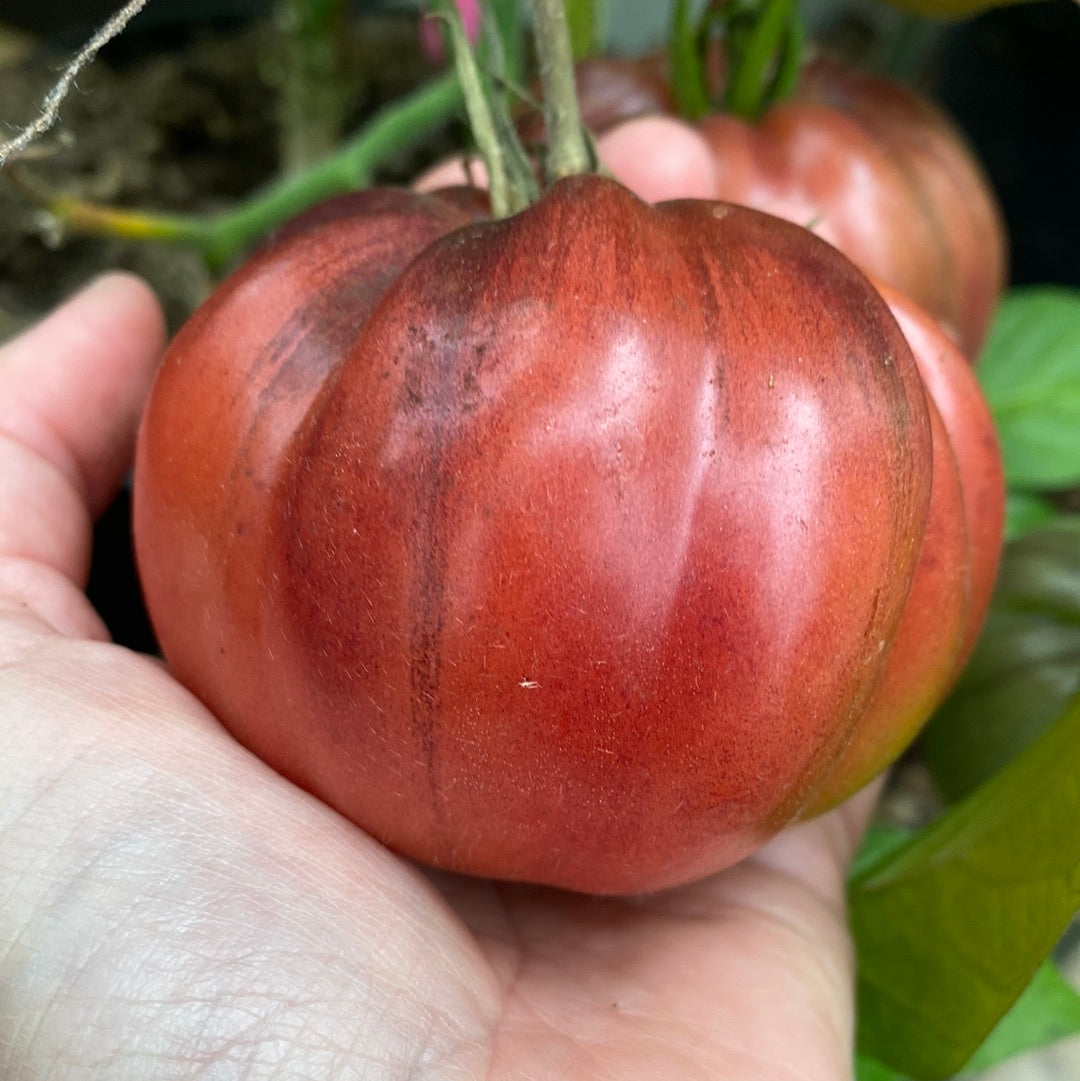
<point x="871" y="167"/>
<point x="566" y="548"/>
<point x="958" y="561"/>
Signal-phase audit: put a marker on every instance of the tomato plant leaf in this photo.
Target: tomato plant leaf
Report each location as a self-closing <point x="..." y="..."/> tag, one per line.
<point x="1030" y="373"/>
<point x="879" y="842"/>
<point x="1026" y="510"/>
<point x="1048" y="1010"/>
<point x="951" y="927"/>
<point x="869" y="1069"/>
<point x="1025" y="668"/>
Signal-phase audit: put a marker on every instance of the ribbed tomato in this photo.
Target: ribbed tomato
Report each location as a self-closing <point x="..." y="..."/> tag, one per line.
<point x="568" y="548"/>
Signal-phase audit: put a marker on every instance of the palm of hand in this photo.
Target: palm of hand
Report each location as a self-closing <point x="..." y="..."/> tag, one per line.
<point x="174" y="909"/>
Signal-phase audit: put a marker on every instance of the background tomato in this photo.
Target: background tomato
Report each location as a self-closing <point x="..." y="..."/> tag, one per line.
<point x="867" y="164"/>
<point x="564" y="548"/>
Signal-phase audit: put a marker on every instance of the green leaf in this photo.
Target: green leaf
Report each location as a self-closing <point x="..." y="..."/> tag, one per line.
<point x="508" y="21"/>
<point x="951" y="927"/>
<point x="1048" y="1010"/>
<point x="1026" y="510"/>
<point x="688" y="82"/>
<point x="879" y="842"/>
<point x="586" y="18"/>
<point x="1025" y="668"/>
<point x="1030" y="373"/>
<point x="869" y="1069"/>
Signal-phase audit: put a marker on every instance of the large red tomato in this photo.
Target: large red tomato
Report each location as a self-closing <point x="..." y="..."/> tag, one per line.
<point x="865" y="163"/>
<point x="566" y="548"/>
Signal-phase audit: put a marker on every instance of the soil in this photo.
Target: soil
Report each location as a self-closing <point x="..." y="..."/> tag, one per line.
<point x="178" y="120"/>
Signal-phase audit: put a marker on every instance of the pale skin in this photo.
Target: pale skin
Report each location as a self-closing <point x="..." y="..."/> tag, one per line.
<point x="171" y="908"/>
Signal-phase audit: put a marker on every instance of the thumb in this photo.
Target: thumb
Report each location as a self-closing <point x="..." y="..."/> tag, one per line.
<point x="71" y="392"/>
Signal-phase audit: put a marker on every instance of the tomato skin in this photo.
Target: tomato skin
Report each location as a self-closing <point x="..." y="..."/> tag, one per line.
<point x="958" y="562"/>
<point x="956" y="393"/>
<point x="576" y="563"/>
<point x="871" y="167"/>
<point x="943" y="184"/>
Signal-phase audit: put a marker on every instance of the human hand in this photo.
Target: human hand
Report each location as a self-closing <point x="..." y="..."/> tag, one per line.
<point x="174" y="909"/>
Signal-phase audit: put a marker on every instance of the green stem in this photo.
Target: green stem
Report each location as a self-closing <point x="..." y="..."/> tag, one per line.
<point x="224" y="237"/>
<point x="312" y="91"/>
<point x="685" y="60"/>
<point x="520" y="172"/>
<point x="584" y="18"/>
<point x="78" y="216"/>
<point x="482" y="122"/>
<point x="568" y="148"/>
<point x="772" y="44"/>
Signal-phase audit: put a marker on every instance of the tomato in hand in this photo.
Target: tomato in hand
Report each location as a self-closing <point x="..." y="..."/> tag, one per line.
<point x="567" y="548"/>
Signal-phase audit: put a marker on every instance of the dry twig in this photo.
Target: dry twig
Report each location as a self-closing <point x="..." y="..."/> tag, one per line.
<point x="50" y="107"/>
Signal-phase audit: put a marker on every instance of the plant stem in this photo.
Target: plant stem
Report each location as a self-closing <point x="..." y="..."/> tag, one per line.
<point x="568" y="149"/>
<point x="224" y="237"/>
<point x="686" y="63"/>
<point x="766" y="58"/>
<point x="312" y="89"/>
<point x="482" y="121"/>
<point x="79" y="216"/>
<point x="495" y="37"/>
<point x="585" y="18"/>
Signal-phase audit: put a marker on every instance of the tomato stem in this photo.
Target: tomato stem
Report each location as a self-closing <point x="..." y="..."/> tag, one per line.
<point x="568" y="151"/>
<point x="478" y="95"/>
<point x="687" y="67"/>
<point x="767" y="44"/>
<point x="222" y="238"/>
<point x="312" y="84"/>
<point x="521" y="174"/>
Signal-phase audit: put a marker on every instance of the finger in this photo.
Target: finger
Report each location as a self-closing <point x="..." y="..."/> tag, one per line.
<point x="819" y="852"/>
<point x="72" y="387"/>
<point x="71" y="390"/>
<point x="658" y="158"/>
<point x="452" y="172"/>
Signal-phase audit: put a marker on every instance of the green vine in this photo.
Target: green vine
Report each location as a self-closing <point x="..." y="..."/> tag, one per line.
<point x="224" y="237"/>
<point x="762" y="43"/>
<point x="313" y="88"/>
<point x="568" y="149"/>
